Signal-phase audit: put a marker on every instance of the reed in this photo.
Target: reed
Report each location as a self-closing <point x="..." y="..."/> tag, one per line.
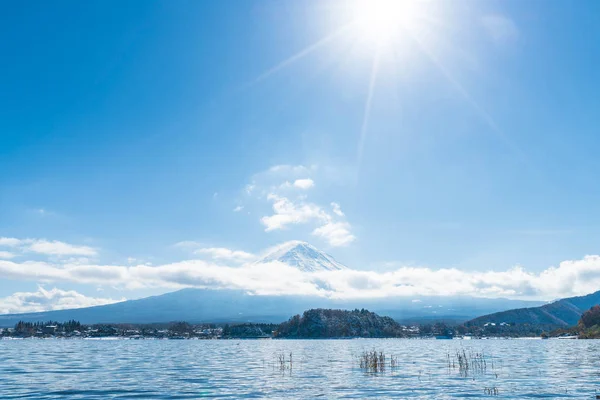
<point x="284" y="363"/>
<point x="376" y="361"/>
<point x="492" y="391"/>
<point x="467" y="363"/>
<point x="394" y="362"/>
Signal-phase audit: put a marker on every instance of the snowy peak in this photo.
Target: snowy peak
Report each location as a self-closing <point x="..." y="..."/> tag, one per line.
<point x="303" y="256"/>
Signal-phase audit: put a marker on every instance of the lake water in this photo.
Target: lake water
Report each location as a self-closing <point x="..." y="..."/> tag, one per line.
<point x="188" y="369"/>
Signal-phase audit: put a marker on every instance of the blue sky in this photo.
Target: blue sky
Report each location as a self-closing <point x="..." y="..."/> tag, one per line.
<point x="466" y="140"/>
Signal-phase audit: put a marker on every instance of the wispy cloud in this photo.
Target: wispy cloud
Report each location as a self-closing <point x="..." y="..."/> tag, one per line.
<point x="238" y="208"/>
<point x="280" y="177"/>
<point x="46" y="247"/>
<point x="337" y="210"/>
<point x="188" y="244"/>
<point x="216" y="253"/>
<point x="43" y="212"/>
<point x="59" y="248"/>
<point x="291" y="169"/>
<point x="501" y="29"/>
<point x="45" y="300"/>
<point x="222" y="253"/>
<point x="7" y="255"/>
<point x="9" y="242"/>
<point x="249" y="188"/>
<point x="544" y="232"/>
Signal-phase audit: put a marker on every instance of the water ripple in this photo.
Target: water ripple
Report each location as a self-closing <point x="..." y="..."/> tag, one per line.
<point x="162" y="369"/>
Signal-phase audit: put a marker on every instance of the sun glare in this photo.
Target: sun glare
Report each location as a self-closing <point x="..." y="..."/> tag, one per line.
<point x="382" y="20"/>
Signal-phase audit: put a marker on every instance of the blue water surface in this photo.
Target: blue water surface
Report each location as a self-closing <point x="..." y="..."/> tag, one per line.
<point x="190" y="369"/>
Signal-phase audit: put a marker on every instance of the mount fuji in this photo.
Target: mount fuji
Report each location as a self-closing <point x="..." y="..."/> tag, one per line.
<point x="229" y="305"/>
<point x="303" y="256"/>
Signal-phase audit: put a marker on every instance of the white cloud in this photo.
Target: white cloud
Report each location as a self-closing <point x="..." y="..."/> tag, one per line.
<point x="9" y="242"/>
<point x="51" y="248"/>
<point x="222" y="253"/>
<point x="500" y="28"/>
<point x="238" y="209"/>
<point x="336" y="233"/>
<point x="337" y="210"/>
<point x="217" y="253"/>
<point x="286" y="212"/>
<point x="292" y="207"/>
<point x="569" y="278"/>
<point x="59" y="248"/>
<point x="306" y="183"/>
<point x="45" y="300"/>
<point x="7" y="254"/>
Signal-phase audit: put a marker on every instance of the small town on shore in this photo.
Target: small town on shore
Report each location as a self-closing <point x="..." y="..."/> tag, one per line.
<point x="313" y="324"/>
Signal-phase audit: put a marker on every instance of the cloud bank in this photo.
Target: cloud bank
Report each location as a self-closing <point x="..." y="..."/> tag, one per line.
<point x="46" y="300"/>
<point x="222" y="270"/>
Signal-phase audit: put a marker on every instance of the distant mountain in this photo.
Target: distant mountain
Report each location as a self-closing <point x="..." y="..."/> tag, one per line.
<point x="191" y="305"/>
<point x="303" y="256"/>
<point x="206" y="305"/>
<point x="561" y="313"/>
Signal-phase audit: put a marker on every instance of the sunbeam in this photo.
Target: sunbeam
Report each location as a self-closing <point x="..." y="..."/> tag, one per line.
<point x="380" y="27"/>
<point x="367" y="112"/>
<point x="486" y="117"/>
<point x="301" y="54"/>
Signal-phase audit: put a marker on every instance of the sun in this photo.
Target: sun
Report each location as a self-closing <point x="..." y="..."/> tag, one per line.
<point x="382" y="20"/>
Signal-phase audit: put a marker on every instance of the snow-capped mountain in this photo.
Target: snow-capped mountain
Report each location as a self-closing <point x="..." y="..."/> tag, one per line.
<point x="236" y="305"/>
<point x="303" y="256"/>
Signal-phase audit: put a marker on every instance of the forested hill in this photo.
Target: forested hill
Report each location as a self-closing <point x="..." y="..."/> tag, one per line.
<point x="324" y="323"/>
<point x="561" y="313"/>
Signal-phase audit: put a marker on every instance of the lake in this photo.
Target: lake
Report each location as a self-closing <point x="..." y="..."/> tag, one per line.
<point x="188" y="369"/>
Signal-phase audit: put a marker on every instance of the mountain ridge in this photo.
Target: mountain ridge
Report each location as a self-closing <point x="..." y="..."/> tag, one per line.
<point x="559" y="314"/>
